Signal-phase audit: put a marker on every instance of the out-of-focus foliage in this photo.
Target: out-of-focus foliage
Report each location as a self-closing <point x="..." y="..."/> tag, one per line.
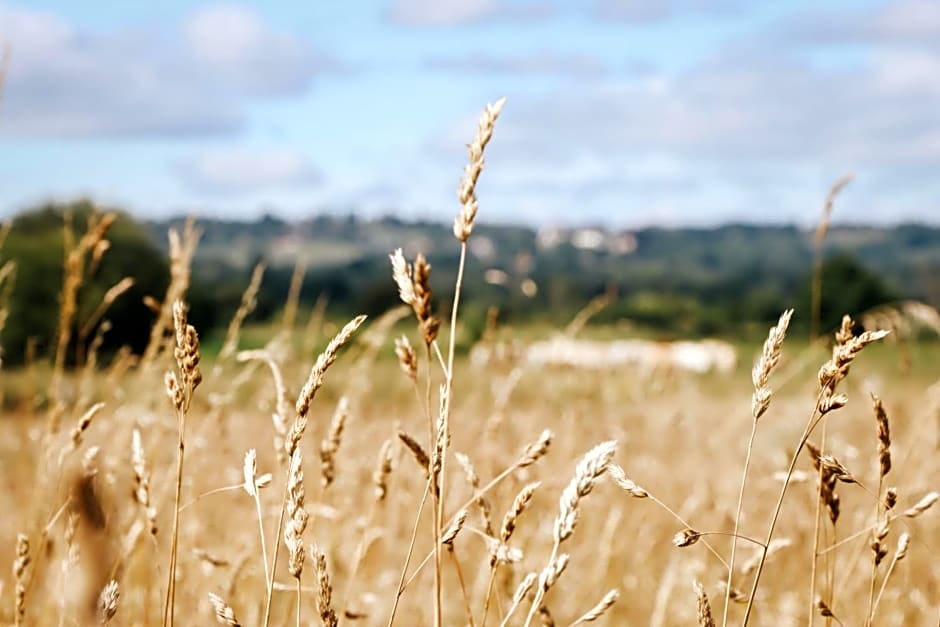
<point x="36" y="243"/>
<point x="734" y="279"/>
<point x="731" y="280"/>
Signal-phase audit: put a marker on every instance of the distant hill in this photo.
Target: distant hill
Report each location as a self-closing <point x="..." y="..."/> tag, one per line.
<point x="687" y="280"/>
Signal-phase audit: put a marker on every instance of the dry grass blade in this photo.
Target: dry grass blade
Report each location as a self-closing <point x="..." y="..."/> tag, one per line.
<point x="453" y="530"/>
<point x="536" y="450"/>
<point x="904" y="543"/>
<point x="407" y="358"/>
<point x="142" y="480"/>
<point x="704" y="607"/>
<point x="329" y="446"/>
<point x="296" y="516"/>
<point x="519" y="505"/>
<point x="600" y="609"/>
<point x="248" y="303"/>
<point x="474" y="480"/>
<point x="108" y="602"/>
<point x="324" y="361"/>
<point x="382" y="470"/>
<point x="760" y="401"/>
<point x="466" y="192"/>
<point x="20" y="564"/>
<point x="924" y="504"/>
<point x="223" y="613"/>
<point x="417" y="451"/>
<point x="884" y="437"/>
<point x="279" y="418"/>
<point x="625" y="483"/>
<point x="819" y="240"/>
<point x="83" y="423"/>
<point x="180" y="391"/>
<point x="324" y="589"/>
<point x="686" y="537"/>
<point x="587" y="473"/>
<point x="765" y="365"/>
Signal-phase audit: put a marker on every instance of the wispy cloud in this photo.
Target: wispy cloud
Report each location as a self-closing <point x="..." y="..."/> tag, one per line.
<point x="903" y="22"/>
<point x="647" y="11"/>
<point x="192" y="78"/>
<point x="463" y="12"/>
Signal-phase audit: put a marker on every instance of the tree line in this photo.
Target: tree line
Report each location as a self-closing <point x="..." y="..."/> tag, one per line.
<point x="732" y="280"/>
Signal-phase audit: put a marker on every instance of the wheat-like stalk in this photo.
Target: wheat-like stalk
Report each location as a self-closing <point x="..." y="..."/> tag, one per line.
<point x="819" y="240"/>
<point x="248" y="303"/>
<point x="252" y="485"/>
<point x="830" y="375"/>
<point x="20" y="564"/>
<point x="760" y="402"/>
<point x="142" y="481"/>
<point x="587" y="473"/>
<point x="180" y="391"/>
<point x="324" y="589"/>
<point x="224" y="614"/>
<point x="108" y="602"/>
<point x="329" y="446"/>
<point x="606" y="602"/>
<point x="296" y="516"/>
<point x="704" y="607"/>
<point x="182" y="251"/>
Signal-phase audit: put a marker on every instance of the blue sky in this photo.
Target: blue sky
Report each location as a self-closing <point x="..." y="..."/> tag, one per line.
<point x="619" y="112"/>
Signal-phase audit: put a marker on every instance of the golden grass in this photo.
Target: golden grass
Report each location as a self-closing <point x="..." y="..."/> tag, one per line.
<point x="618" y="490"/>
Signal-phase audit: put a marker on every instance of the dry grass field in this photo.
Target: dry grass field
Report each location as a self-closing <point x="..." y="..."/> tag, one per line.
<point x="339" y="475"/>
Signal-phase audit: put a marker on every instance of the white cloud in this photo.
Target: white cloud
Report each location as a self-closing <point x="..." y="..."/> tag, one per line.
<point x="238" y="171"/>
<point x="434" y="13"/>
<point x="648" y="10"/>
<point x="756" y="132"/>
<point x="900" y="22"/>
<point x="195" y="77"/>
<point x="463" y="12"/>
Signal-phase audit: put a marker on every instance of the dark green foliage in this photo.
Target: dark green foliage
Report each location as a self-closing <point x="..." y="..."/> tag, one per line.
<point x="848" y="287"/>
<point x="730" y="280"/>
<point x="734" y="279"/>
<point x="36" y="244"/>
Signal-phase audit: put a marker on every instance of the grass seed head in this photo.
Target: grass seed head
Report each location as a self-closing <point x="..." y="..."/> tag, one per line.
<point x="704" y="607"/>
<point x="223" y="613"/>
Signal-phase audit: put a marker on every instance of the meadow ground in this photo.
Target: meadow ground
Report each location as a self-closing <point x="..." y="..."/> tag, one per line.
<point x="680" y="437"/>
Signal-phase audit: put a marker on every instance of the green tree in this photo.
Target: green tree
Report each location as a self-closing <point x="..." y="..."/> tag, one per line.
<point x="848" y="287"/>
<point x="36" y="243"/>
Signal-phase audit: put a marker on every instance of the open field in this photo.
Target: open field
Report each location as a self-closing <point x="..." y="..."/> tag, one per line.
<point x="336" y="474"/>
<point x="681" y="437"/>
